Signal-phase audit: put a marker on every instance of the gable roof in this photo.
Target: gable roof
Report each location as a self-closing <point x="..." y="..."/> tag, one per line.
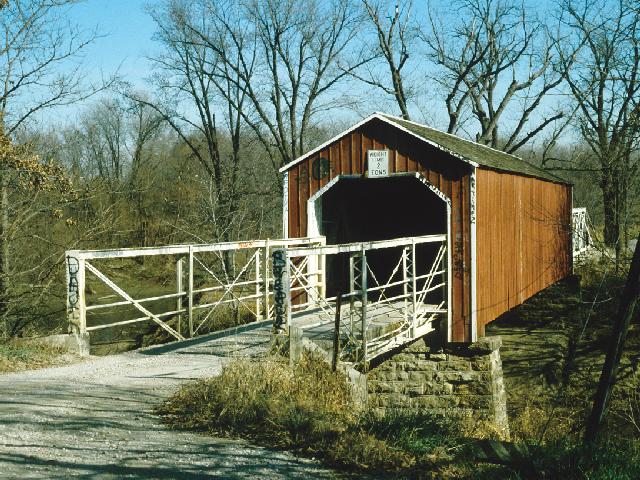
<point x="470" y="152"/>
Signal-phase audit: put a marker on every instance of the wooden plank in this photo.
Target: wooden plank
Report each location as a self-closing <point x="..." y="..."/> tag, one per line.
<point x="457" y="242"/>
<point x="414" y="153"/>
<point x="356" y="149"/>
<point x="294" y="199"/>
<point x="466" y="246"/>
<point x="524" y="253"/>
<point x="303" y="185"/>
<point x="345" y="157"/>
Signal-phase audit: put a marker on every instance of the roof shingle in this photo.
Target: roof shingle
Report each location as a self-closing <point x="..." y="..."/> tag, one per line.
<point x="475" y="152"/>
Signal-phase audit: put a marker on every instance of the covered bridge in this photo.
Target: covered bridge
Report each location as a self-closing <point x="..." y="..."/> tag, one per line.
<point x="508" y="223"/>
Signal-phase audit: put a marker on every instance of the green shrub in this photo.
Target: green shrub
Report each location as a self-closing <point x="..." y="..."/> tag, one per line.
<point x="605" y="460"/>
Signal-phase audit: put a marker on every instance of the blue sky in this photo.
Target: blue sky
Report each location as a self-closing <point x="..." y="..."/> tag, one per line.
<point x="127" y="38"/>
<point x="127" y="32"/>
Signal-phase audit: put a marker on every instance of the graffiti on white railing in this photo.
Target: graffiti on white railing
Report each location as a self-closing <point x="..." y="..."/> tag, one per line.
<point x="201" y="292"/>
<point x="279" y="263"/>
<point x="73" y="267"/>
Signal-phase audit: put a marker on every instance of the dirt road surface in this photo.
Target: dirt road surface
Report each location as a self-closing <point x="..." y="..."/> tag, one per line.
<point x="94" y="420"/>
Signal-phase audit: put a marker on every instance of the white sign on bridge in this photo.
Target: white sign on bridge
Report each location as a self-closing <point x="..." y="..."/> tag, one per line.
<point x="377" y="163"/>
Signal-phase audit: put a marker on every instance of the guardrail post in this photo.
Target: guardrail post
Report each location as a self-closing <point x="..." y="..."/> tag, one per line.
<point x="265" y="281"/>
<point x="322" y="265"/>
<point x="443" y="267"/>
<point x="352" y="293"/>
<point x="76" y="304"/>
<point x="190" y="291"/>
<point x="256" y="259"/>
<point x="363" y="301"/>
<point x="335" y="354"/>
<point x="179" y="287"/>
<point x="413" y="288"/>
<point x="281" y="292"/>
<point x="405" y="283"/>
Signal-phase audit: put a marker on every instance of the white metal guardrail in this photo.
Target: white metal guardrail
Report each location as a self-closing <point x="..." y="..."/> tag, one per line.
<point x="378" y="313"/>
<point x="249" y="284"/>
<point x="581" y="236"/>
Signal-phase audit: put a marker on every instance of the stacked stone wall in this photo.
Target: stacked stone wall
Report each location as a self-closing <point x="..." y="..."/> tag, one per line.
<point x="451" y="381"/>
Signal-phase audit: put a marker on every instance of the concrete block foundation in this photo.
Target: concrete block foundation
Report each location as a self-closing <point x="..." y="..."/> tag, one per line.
<point x="457" y="380"/>
<point x="454" y="381"/>
<point x="74" y="342"/>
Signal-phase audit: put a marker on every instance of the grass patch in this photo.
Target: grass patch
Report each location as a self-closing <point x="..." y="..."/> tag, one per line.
<point x="308" y="408"/>
<point x="606" y="460"/>
<point x="18" y="355"/>
<point x="550" y="383"/>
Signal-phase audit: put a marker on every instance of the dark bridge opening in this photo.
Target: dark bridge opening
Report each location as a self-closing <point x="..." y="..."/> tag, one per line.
<point x="361" y="210"/>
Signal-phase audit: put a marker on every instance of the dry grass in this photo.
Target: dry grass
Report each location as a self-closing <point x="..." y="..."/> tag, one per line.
<point x="18" y="355"/>
<point x="257" y="399"/>
<point x="309" y="409"/>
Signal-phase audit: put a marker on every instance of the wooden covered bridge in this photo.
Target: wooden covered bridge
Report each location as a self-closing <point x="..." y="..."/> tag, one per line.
<point x="498" y="227"/>
<point x="414" y="229"/>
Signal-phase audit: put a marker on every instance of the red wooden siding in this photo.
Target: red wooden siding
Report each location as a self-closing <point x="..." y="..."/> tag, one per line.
<point x="406" y="154"/>
<point x="523" y="240"/>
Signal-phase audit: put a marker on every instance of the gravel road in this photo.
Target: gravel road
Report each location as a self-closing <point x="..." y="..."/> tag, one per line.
<point x="93" y="420"/>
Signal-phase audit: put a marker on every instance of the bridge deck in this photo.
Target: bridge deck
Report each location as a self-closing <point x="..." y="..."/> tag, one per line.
<point x="386" y="328"/>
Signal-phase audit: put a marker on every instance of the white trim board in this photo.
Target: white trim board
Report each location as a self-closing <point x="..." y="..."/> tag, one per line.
<point x="314" y="218"/>
<point x="474" y="268"/>
<point x="285" y="205"/>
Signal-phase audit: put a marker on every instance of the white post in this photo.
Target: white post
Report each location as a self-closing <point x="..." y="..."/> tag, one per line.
<point x="413" y="288"/>
<point x="256" y="259"/>
<point x="322" y="276"/>
<point x="405" y="284"/>
<point x="285" y="205"/>
<point x="190" y="291"/>
<point x="363" y="300"/>
<point x="179" y="287"/>
<point x="352" y="292"/>
<point x="265" y="283"/>
<point x="449" y="277"/>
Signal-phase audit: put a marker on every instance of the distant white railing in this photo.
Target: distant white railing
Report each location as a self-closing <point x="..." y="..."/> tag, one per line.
<point x="249" y="284"/>
<point x="581" y="236"/>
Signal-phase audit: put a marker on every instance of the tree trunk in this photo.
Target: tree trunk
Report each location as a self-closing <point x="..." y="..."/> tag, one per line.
<point x="626" y="312"/>
<point x="610" y="206"/>
<point x="4" y="249"/>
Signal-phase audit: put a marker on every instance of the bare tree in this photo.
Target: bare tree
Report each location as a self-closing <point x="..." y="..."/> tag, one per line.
<point x="37" y="50"/>
<point x="188" y="100"/>
<point x="494" y="62"/>
<point x="287" y="57"/>
<point x="395" y="34"/>
<point x="192" y="94"/>
<point x="114" y="137"/>
<point x="604" y="83"/>
<point x="38" y="47"/>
